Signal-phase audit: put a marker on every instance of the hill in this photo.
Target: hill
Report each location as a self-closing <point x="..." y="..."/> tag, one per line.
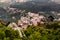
<point x="35" y="6"/>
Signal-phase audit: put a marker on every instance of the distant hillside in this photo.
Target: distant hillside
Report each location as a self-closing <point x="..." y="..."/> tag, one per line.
<point x="35" y="6"/>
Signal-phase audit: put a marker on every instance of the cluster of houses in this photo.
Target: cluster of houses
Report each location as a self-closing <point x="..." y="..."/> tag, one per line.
<point x="23" y="22"/>
<point x="31" y="19"/>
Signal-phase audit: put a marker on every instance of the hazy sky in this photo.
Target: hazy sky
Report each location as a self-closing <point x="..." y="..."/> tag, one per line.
<point x="14" y="0"/>
<point x="58" y="1"/>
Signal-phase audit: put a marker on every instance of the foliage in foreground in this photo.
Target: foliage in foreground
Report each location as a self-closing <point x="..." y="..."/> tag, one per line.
<point x="50" y="32"/>
<point x="40" y="33"/>
<point x="7" y="33"/>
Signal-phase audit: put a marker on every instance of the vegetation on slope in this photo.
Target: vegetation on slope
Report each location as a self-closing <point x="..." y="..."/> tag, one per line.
<point x="49" y="32"/>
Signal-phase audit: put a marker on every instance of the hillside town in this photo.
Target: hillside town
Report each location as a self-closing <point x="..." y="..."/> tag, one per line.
<point x="29" y="20"/>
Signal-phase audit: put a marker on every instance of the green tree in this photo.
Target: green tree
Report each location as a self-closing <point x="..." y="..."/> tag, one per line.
<point x="7" y="33"/>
